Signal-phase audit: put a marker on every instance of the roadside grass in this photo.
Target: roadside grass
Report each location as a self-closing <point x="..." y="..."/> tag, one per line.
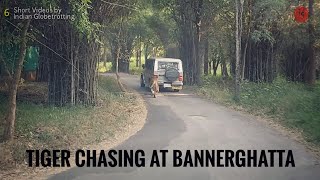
<point x="292" y="104"/>
<point x="46" y="127"/>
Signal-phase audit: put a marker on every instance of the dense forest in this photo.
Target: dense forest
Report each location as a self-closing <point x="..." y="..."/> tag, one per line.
<point x="252" y="40"/>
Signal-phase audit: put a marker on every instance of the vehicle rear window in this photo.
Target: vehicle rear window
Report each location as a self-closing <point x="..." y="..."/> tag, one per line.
<point x="166" y="65"/>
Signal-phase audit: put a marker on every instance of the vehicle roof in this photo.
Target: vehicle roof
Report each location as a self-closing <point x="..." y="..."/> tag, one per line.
<point x="165" y="59"/>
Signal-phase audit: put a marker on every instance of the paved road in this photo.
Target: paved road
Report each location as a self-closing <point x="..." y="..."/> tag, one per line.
<point x="183" y="121"/>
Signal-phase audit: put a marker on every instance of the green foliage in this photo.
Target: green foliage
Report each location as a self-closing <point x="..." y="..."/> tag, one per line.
<point x="82" y="22"/>
<point x="263" y="35"/>
<point x="159" y="26"/>
<point x="266" y="13"/>
<point x="269" y="10"/>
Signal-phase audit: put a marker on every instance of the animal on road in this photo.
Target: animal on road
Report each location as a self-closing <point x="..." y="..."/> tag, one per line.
<point x="154" y="86"/>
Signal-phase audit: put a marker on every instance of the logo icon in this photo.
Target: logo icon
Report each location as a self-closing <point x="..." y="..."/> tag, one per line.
<point x="301" y="14"/>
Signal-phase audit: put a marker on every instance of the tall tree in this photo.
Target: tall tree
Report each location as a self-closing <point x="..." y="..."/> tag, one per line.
<point x="206" y="57"/>
<point x="198" y="61"/>
<point x="311" y="62"/>
<point x="239" y="9"/>
<point x="118" y="54"/>
<point x="12" y="105"/>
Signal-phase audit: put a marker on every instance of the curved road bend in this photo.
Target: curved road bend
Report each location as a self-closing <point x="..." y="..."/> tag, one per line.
<point x="183" y="121"/>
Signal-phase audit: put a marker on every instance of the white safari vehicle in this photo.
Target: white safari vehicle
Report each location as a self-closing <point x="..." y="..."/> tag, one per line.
<point x="168" y="70"/>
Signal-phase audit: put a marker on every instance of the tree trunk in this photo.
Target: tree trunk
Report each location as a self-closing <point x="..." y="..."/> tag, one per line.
<point x="11" y="112"/>
<point x="138" y="51"/>
<point x="210" y="67"/>
<point x="244" y="58"/>
<point x="137" y="58"/>
<point x="198" y="62"/>
<point x="214" y="71"/>
<point x="117" y="59"/>
<point x="224" y="69"/>
<point x="311" y="62"/>
<point x="215" y="65"/>
<point x="206" y="56"/>
<point x="238" y="49"/>
<point x="73" y="70"/>
<point x="117" y="69"/>
<point x="146" y="49"/>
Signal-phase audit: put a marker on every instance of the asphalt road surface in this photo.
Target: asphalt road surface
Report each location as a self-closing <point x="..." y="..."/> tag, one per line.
<point x="184" y="121"/>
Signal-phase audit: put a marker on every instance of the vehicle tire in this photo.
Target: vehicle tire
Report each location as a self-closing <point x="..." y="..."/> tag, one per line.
<point x="176" y="90"/>
<point x="142" y="84"/>
<point x="172" y="74"/>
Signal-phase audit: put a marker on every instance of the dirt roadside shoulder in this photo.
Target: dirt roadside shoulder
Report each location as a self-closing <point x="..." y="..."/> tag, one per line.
<point x="135" y="112"/>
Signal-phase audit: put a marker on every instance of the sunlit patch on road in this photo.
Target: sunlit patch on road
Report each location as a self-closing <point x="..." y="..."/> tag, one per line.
<point x="165" y="94"/>
<point x="198" y="117"/>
